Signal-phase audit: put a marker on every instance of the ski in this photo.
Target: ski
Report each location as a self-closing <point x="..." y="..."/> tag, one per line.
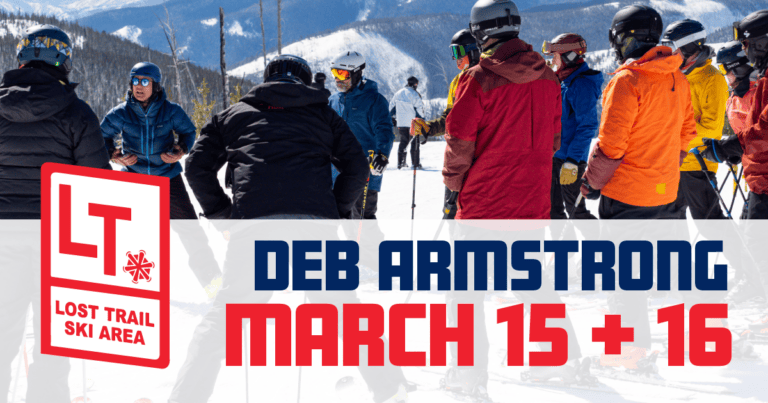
<point x="456" y="395"/>
<point x="653" y="378"/>
<point x="598" y="387"/>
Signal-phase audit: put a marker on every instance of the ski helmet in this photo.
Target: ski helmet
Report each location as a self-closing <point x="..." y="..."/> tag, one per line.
<point x="348" y="65"/>
<point x="494" y="19"/>
<point x="288" y="69"/>
<point x="147" y="69"/>
<point x="732" y="58"/>
<point x="634" y="29"/>
<point x="45" y="43"/>
<point x="464" y="49"/>
<point x="570" y="47"/>
<point x="752" y="32"/>
<point x="687" y="35"/>
<point x="412" y="81"/>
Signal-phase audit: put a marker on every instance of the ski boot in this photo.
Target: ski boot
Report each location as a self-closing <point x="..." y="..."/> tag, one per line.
<point x="418" y="166"/>
<point x="633" y="359"/>
<point x="573" y="372"/>
<point x="743" y="349"/>
<point x="468" y="382"/>
<point x="743" y="292"/>
<point x="401" y="161"/>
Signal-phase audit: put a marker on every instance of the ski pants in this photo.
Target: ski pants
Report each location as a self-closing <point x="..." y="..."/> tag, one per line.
<point x="47" y="380"/>
<point x="695" y="192"/>
<point x="564" y="196"/>
<point x="197" y="377"/>
<point x="404" y="136"/>
<point x="201" y="258"/>
<point x="758" y="206"/>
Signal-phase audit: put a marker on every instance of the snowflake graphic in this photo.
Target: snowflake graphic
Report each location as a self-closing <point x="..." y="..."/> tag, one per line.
<point x="138" y="266"/>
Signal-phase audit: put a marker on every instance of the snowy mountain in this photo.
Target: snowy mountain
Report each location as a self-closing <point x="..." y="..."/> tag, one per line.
<point x="71" y="10"/>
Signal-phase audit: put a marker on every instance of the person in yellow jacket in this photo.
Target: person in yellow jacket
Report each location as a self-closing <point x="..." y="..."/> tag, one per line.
<point x="709" y="95"/>
<point x="466" y="54"/>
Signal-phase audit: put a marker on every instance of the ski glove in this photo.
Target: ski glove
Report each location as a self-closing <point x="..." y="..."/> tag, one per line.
<point x="588" y="191"/>
<point x="124" y="159"/>
<point x="726" y="150"/>
<point x="683" y="154"/>
<point x="379" y="164"/>
<point x="569" y="173"/>
<point x="450" y="208"/>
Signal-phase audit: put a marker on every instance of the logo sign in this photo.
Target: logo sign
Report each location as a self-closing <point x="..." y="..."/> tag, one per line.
<point x="105" y="265"/>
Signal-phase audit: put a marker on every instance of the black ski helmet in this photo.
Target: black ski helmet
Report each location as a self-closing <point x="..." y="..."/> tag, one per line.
<point x="687" y="35"/>
<point x="463" y="44"/>
<point x="412" y="81"/>
<point x="752" y="32"/>
<point x="45" y="43"/>
<point x="290" y="69"/>
<point x="634" y="28"/>
<point x="732" y="58"/>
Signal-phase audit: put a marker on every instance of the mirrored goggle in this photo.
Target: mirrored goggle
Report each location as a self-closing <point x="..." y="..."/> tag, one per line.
<point x="548" y="47"/>
<point x="44" y="42"/>
<point x="341" y="75"/>
<point x="459" y="51"/>
<point x="145" y="82"/>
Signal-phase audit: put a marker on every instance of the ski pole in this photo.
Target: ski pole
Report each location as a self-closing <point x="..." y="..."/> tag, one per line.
<point x="413" y="201"/>
<point x="362" y="211"/>
<point x="700" y="159"/>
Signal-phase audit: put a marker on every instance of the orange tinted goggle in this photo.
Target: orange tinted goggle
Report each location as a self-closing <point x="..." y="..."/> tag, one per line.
<point x="341" y="75"/>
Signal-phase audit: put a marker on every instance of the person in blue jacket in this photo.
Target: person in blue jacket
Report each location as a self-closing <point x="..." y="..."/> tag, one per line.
<point x="366" y="112"/>
<point x="581" y="89"/>
<point x="148" y="124"/>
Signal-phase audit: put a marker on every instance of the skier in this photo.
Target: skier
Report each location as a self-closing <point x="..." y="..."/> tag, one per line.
<point x="364" y="109"/>
<point x="580" y="87"/>
<point x="404" y="107"/>
<point x="709" y="94"/>
<point x="41" y="120"/>
<point x="146" y="123"/>
<point x="750" y="139"/>
<point x="742" y="80"/>
<point x="497" y="174"/>
<point x="633" y="169"/>
<point x="281" y="139"/>
<point x="466" y="54"/>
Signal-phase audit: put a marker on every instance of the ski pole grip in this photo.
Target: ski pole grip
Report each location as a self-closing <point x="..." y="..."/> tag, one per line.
<point x="699" y="158"/>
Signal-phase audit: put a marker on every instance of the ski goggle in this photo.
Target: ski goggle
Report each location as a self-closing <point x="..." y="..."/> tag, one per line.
<point x="341" y="75"/>
<point x="548" y="47"/>
<point x="44" y="42"/>
<point x="460" y="51"/>
<point x="145" y="82"/>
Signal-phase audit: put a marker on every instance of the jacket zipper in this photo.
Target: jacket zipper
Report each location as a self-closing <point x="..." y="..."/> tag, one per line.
<point x="146" y="150"/>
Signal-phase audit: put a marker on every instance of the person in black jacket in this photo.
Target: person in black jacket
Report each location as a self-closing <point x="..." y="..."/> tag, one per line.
<point x="280" y="141"/>
<point x="41" y="120"/>
<point x="282" y="132"/>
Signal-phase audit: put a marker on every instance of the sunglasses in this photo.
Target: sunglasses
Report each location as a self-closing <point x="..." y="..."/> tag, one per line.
<point x="341" y="75"/>
<point x="459" y="51"/>
<point x="145" y="82"/>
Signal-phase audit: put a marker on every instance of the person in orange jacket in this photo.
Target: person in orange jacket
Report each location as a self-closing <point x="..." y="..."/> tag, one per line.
<point x="633" y="167"/>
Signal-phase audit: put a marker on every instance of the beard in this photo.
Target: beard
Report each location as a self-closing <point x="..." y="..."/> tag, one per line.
<point x="344" y="86"/>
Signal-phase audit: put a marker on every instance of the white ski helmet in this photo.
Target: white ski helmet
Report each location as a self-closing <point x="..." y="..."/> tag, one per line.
<point x="351" y="61"/>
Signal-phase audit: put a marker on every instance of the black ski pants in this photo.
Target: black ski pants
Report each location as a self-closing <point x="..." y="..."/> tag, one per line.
<point x="404" y="136"/>
<point x="564" y="197"/>
<point x="695" y="192"/>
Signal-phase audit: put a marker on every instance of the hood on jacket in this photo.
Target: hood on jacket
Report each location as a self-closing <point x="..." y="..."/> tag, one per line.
<point x="516" y="61"/>
<point x="31" y="95"/>
<point x="659" y="60"/>
<point x="284" y="95"/>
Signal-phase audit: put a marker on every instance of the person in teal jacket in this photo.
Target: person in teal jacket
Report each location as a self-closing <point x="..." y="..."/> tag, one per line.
<point x="366" y="112"/>
<point x="581" y="88"/>
<point x="148" y="124"/>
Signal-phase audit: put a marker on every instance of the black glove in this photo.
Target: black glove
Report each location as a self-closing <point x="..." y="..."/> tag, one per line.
<point x="379" y="164"/>
<point x="588" y="191"/>
<point x="422" y="139"/>
<point x="450" y="208"/>
<point x="725" y="150"/>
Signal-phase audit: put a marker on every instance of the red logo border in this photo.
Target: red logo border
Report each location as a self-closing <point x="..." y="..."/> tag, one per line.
<point x="47" y="281"/>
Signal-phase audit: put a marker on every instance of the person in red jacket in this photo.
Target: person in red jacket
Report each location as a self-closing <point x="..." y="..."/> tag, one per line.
<point x="497" y="151"/>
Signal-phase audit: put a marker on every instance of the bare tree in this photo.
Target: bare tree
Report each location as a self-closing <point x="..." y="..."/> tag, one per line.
<point x="263" y="35"/>
<point x="192" y="81"/>
<point x="224" y="82"/>
<point x="170" y="35"/>
<point x="279" y="28"/>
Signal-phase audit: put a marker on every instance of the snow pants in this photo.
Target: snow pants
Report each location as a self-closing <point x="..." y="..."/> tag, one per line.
<point x="197" y="377"/>
<point x="47" y="380"/>
<point x="758" y="206"/>
<point x="404" y="136"/>
<point x="564" y="197"/>
<point x="695" y="192"/>
<point x="201" y="259"/>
